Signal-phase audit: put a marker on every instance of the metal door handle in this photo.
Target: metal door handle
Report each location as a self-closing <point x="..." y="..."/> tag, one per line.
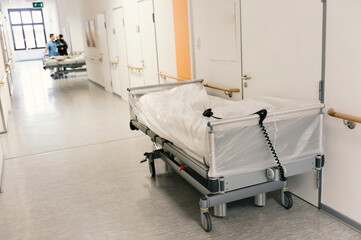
<point x="245" y="77"/>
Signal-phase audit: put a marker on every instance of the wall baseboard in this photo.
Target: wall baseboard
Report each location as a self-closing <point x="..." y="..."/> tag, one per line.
<point x="341" y="217"/>
<point x="118" y="96"/>
<point x="2" y="174"/>
<point x="101" y="86"/>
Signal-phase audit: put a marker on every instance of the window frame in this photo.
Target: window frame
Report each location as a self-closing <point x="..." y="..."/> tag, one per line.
<point x="19" y="10"/>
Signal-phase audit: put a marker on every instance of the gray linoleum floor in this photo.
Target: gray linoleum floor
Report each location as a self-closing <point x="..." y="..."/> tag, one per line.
<point x="73" y="172"/>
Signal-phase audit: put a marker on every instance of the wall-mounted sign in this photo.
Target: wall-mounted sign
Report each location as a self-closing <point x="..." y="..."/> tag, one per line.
<point x="38" y="4"/>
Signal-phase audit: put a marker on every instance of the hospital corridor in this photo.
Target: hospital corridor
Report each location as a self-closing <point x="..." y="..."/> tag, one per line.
<point x="180" y="119"/>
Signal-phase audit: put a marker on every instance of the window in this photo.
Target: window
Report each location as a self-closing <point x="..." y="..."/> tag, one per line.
<point x="27" y="27"/>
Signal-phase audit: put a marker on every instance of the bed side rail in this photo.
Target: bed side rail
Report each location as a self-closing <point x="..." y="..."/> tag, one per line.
<point x="214" y="123"/>
<point x="158" y="87"/>
<point x="170" y="148"/>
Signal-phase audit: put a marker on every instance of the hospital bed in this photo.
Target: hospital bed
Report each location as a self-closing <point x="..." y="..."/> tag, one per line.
<point x="65" y="64"/>
<point x="228" y="150"/>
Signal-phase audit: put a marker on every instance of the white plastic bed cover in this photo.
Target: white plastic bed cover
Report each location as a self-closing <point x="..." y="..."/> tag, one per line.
<point x="64" y="60"/>
<point x="176" y="114"/>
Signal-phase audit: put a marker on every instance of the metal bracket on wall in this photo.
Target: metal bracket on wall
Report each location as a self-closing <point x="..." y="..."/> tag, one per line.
<point x="349" y="124"/>
<point x="229" y="94"/>
<point x="321" y="91"/>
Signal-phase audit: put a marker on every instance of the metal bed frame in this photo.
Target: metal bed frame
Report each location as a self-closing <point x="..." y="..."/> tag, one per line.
<point x="64" y="68"/>
<point x="222" y="190"/>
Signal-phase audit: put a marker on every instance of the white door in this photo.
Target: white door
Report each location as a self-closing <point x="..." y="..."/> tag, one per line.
<point x="148" y="42"/>
<point x="164" y="21"/>
<point x="217" y="43"/>
<point x="121" y="83"/>
<point x="103" y="45"/>
<point x="341" y="175"/>
<point x="281" y="53"/>
<point x="131" y="26"/>
<point x="282" y="42"/>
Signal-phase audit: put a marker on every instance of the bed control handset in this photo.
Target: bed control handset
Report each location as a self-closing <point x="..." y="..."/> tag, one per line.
<point x="208" y="113"/>
<point x="262" y="116"/>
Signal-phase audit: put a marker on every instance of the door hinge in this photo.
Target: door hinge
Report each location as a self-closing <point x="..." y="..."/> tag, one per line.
<point x="321" y="90"/>
<point x="153" y="17"/>
<point x="123" y="21"/>
<point x="105" y="25"/>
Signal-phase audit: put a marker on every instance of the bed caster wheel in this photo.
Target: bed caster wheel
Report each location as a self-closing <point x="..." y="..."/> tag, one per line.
<point x="287" y="200"/>
<point x="132" y="127"/>
<point x="206" y="221"/>
<point x="151" y="167"/>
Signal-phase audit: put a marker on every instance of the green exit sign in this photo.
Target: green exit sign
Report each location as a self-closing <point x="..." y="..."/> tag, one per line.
<point x="38" y="4"/>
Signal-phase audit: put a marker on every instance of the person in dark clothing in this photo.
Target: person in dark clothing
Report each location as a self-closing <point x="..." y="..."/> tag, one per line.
<point x="62" y="46"/>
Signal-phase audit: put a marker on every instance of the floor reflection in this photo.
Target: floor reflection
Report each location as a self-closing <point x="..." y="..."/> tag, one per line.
<point x="51" y="114"/>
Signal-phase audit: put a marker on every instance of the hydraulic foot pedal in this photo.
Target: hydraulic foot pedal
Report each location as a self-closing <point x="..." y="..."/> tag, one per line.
<point x="150" y="158"/>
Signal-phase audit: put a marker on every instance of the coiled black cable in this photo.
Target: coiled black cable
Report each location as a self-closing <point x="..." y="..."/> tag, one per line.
<point x="262" y="114"/>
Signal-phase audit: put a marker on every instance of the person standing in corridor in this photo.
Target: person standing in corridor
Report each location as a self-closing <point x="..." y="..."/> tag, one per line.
<point x="62" y="46"/>
<point x="51" y="46"/>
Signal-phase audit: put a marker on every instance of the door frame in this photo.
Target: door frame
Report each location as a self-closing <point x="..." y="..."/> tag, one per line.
<point x="126" y="47"/>
<point x="107" y="61"/>
<point x="155" y="37"/>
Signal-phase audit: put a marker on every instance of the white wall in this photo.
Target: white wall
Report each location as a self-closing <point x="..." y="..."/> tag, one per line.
<point x="71" y="24"/>
<point x="341" y="176"/>
<point x="81" y="11"/>
<point x="5" y="99"/>
<point x="4" y="94"/>
<point x="7" y="31"/>
<point x="51" y="22"/>
<point x="75" y="12"/>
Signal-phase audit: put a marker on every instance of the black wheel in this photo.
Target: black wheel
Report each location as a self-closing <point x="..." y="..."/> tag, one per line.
<point x="132" y="127"/>
<point x="207" y="222"/>
<point x="288" y="200"/>
<point x="152" y="168"/>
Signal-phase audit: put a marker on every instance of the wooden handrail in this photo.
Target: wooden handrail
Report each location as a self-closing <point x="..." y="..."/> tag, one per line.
<point x="77" y="52"/>
<point x="227" y="91"/>
<point x="135" y="68"/>
<point x="94" y="58"/>
<point x="172" y="77"/>
<point x="4" y="79"/>
<point x="230" y="90"/>
<point x="114" y="63"/>
<point x="9" y="62"/>
<point x="343" y="116"/>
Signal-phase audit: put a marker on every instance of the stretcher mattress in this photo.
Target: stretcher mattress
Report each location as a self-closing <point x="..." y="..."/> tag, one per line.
<point x="64" y="61"/>
<point x="176" y="114"/>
